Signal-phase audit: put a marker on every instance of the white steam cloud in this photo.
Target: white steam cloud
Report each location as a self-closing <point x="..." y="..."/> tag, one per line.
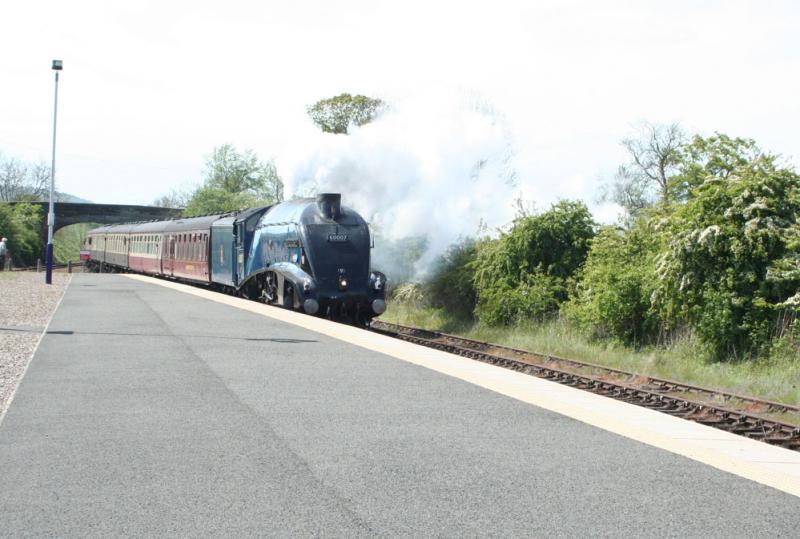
<point x="436" y="167"/>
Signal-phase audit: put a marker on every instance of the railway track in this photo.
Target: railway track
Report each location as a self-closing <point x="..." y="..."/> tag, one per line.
<point x="56" y="267"/>
<point x="771" y="422"/>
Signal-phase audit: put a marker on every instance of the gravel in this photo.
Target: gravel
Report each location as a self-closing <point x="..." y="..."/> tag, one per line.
<point x="26" y="305"/>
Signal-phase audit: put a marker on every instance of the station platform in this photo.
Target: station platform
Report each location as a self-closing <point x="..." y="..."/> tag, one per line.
<point x="151" y="408"/>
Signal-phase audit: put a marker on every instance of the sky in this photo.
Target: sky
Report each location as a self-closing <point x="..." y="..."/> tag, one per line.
<point x="150" y="87"/>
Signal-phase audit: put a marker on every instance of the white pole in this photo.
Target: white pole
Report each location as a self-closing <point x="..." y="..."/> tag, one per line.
<point x="51" y="217"/>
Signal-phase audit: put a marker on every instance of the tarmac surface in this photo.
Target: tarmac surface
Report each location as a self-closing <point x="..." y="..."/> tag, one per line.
<point x="146" y="411"/>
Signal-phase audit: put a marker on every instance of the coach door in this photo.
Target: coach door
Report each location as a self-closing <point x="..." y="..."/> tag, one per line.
<point x="169" y="255"/>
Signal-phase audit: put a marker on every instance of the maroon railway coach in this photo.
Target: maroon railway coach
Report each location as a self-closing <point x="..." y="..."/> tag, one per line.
<point x="177" y="248"/>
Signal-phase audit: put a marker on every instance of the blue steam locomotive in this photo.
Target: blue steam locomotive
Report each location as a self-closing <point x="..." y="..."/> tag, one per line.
<point x="311" y="254"/>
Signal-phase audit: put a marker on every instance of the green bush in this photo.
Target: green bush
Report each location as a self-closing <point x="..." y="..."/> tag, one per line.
<point x="612" y="298"/>
<point x="22" y="224"/>
<point x="535" y="297"/>
<point x="526" y="272"/>
<point x="727" y="268"/>
<point x="452" y="285"/>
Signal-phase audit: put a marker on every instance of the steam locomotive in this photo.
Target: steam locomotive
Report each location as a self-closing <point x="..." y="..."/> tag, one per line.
<point x="310" y="254"/>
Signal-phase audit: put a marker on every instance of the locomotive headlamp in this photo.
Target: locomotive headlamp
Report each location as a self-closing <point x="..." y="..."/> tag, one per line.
<point x="343" y="283"/>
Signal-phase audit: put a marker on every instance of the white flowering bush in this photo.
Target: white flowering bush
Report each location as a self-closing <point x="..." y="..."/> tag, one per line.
<point x="730" y="268"/>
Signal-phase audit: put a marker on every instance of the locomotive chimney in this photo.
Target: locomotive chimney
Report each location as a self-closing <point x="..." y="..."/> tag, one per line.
<point x="329" y="205"/>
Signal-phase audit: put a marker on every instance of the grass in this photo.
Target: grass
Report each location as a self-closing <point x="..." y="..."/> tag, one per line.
<point x="67" y="242"/>
<point x="776" y="378"/>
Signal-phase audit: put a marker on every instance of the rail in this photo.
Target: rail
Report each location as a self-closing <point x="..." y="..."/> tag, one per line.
<point x="768" y="421"/>
<point x="39" y="267"/>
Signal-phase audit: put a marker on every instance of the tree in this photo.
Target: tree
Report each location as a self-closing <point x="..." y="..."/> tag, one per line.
<point x="337" y="114"/>
<point x="730" y="262"/>
<point x="21" y="224"/>
<point x="525" y="273"/>
<point x="23" y="182"/>
<point x="716" y="156"/>
<point x="173" y="199"/>
<point x="235" y="180"/>
<point x="655" y="155"/>
<point x="208" y="200"/>
<point x="612" y="298"/>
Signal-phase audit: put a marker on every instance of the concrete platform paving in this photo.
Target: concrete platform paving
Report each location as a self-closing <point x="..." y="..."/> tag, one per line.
<point x="146" y="411"/>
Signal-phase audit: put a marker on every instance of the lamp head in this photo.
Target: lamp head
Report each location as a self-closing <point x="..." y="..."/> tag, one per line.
<point x="58" y="65"/>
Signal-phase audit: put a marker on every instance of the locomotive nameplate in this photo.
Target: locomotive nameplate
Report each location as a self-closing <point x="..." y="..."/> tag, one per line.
<point x="337" y="238"/>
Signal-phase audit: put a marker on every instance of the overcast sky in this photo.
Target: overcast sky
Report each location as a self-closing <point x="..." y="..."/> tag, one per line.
<point x="150" y="87"/>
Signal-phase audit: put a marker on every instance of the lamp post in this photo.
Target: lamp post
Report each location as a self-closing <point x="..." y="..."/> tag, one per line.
<point x="51" y="216"/>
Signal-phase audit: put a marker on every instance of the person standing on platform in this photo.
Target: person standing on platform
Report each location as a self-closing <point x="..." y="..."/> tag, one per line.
<point x="3" y="254"/>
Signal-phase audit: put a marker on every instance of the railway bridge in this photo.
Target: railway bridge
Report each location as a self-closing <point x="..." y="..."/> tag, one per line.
<point x="70" y="213"/>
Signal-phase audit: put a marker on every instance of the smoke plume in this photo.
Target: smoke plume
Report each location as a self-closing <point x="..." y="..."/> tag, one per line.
<point x="427" y="172"/>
